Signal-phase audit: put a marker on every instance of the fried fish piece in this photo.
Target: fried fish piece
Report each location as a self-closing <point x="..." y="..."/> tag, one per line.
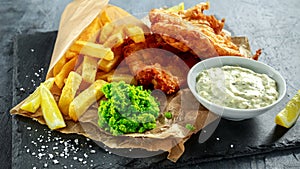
<point x="192" y="30"/>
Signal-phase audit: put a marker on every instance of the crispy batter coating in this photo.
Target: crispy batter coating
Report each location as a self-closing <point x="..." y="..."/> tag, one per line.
<point x="147" y="67"/>
<point x="193" y="30"/>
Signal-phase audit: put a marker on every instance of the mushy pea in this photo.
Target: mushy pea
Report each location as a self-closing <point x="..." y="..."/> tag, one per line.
<point x="236" y="87"/>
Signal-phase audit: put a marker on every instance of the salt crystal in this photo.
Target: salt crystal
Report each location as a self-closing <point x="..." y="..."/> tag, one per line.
<point x="22" y="89"/>
<point x="55" y="161"/>
<point x="93" y="151"/>
<point x="50" y="156"/>
<point x="32" y="50"/>
<point x="85" y="155"/>
<point x="28" y="128"/>
<point x="218" y="138"/>
<point x="46" y="165"/>
<point x="231" y="146"/>
<point x="84" y="162"/>
<point x="75" y="158"/>
<point x="76" y="141"/>
<point x="33" y="167"/>
<point x="80" y="159"/>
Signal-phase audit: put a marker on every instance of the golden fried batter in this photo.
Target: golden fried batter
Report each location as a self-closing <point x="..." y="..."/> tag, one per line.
<point x="193" y="30"/>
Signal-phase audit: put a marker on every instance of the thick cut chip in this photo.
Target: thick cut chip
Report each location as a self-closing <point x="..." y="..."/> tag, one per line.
<point x="50" y="110"/>
<point x="89" y="69"/>
<point x="70" y="55"/>
<point x="33" y="101"/>
<point x="69" y="91"/>
<point x="135" y="33"/>
<point x="104" y="18"/>
<point x="101" y="75"/>
<point x="91" y="33"/>
<point x="92" y="49"/>
<point x="85" y="99"/>
<point x="106" y="31"/>
<point x="114" y="40"/>
<point x="63" y="74"/>
<point x="107" y="66"/>
<point x="59" y="65"/>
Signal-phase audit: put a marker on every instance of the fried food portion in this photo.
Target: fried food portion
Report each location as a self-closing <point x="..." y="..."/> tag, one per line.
<point x="69" y="91"/>
<point x="89" y="69"/>
<point x="64" y="72"/>
<point x="192" y="30"/>
<point x="146" y="66"/>
<point x="85" y="99"/>
<point x="92" y="49"/>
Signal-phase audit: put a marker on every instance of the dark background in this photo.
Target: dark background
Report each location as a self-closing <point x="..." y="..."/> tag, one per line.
<point x="271" y="25"/>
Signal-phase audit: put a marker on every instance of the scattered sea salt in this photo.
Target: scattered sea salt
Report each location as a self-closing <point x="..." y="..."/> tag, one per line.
<point x="55" y="161"/>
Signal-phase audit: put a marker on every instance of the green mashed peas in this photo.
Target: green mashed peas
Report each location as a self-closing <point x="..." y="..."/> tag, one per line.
<point x="128" y="109"/>
<point x="236" y="87"/>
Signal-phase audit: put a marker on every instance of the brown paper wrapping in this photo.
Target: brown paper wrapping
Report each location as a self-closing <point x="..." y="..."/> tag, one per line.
<point x="170" y="135"/>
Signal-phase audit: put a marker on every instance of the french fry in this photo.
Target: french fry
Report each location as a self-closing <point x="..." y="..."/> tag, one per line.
<point x="92" y="49"/>
<point x="91" y="33"/>
<point x="114" y="40"/>
<point x="106" y="31"/>
<point x="67" y="68"/>
<point x="112" y="13"/>
<point x="85" y="99"/>
<point x="89" y="69"/>
<point x="69" y="91"/>
<point x="107" y="66"/>
<point x="103" y="75"/>
<point x="59" y="65"/>
<point x="70" y="55"/>
<point x="135" y="33"/>
<point x="33" y="101"/>
<point x="104" y="18"/>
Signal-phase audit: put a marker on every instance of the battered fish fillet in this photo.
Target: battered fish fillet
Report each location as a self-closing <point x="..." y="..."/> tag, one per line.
<point x="192" y="30"/>
<point x="146" y="66"/>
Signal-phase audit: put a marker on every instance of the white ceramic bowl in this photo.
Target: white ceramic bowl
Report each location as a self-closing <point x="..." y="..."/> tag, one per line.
<point x="233" y="113"/>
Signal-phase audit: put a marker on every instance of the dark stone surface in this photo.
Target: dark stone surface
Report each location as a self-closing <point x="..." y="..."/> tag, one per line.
<point x="271" y="25"/>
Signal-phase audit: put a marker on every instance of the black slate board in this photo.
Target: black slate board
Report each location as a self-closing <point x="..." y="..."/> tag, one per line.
<point x="32" y="142"/>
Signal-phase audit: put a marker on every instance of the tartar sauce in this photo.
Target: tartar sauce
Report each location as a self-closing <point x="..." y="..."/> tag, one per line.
<point x="236" y="87"/>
